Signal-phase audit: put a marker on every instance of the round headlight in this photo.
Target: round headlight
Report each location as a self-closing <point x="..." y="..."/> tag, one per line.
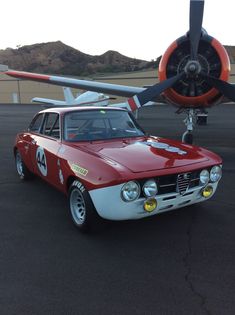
<point x="204" y="177"/>
<point x="130" y="191"/>
<point x="215" y="174"/>
<point x="150" y="188"/>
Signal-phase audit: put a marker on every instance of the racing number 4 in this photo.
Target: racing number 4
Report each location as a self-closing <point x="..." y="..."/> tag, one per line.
<point x="41" y="161"/>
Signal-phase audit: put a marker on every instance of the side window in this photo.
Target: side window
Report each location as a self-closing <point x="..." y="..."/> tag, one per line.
<point x="36" y="123"/>
<point x="51" y="126"/>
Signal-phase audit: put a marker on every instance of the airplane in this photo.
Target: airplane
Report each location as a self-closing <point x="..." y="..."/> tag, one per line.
<point x="193" y="75"/>
<point x="86" y="98"/>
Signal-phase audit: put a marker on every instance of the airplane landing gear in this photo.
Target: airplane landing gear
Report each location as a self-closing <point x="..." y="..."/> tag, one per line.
<point x="189" y="122"/>
<point x="194" y="116"/>
<point x="187" y="137"/>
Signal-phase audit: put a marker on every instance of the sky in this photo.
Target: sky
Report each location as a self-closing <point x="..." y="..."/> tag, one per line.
<point x="138" y="29"/>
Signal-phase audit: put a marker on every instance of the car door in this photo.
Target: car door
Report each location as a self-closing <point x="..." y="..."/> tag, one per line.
<point x="44" y="149"/>
<point x="28" y="141"/>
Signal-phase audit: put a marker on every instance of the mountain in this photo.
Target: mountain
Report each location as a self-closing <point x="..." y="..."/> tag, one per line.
<point x="58" y="58"/>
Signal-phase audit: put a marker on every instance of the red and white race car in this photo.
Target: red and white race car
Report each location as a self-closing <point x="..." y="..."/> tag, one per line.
<point x="109" y="168"/>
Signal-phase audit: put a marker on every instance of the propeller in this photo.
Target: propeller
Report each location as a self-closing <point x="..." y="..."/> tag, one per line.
<point x="196" y="16"/>
<point x="152" y="92"/>
<point x="195" y="23"/>
<point x="224" y="87"/>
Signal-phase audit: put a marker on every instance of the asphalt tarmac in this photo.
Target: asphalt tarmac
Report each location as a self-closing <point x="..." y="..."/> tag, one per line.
<point x="180" y="262"/>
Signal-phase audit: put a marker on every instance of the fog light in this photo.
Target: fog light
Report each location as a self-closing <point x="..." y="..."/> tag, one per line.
<point x="207" y="191"/>
<point x="150" y="204"/>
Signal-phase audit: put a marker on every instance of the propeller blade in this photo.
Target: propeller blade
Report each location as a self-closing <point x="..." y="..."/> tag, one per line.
<point x="195" y="23"/>
<point x="152" y="92"/>
<point x="224" y="87"/>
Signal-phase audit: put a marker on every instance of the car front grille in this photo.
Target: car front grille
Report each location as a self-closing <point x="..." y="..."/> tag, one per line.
<point x="182" y="183"/>
<point x="177" y="183"/>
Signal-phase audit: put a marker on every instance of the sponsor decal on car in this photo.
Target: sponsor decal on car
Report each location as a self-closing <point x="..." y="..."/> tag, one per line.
<point x="78" y="169"/>
<point x="61" y="177"/>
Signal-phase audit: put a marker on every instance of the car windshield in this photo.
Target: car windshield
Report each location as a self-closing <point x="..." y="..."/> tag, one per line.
<point x="100" y="124"/>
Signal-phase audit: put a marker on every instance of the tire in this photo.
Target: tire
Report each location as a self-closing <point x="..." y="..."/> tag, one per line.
<point x="21" y="168"/>
<point x="82" y="210"/>
<point x="187" y="138"/>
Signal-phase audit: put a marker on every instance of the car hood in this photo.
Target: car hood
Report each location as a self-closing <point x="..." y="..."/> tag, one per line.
<point x="147" y="154"/>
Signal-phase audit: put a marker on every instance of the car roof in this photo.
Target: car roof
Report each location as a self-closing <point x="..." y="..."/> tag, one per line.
<point x="63" y="110"/>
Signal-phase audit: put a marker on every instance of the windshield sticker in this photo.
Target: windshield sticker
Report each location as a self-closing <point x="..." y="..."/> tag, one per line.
<point x="165" y="146"/>
<point x="79" y="170"/>
<point x="41" y="161"/>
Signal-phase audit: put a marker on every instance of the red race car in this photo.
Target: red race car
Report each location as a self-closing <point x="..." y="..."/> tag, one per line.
<point x="109" y="168"/>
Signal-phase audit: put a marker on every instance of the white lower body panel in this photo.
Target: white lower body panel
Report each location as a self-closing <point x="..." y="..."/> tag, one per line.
<point x="109" y="204"/>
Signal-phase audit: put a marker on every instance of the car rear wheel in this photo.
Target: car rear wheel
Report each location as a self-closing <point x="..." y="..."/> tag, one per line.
<point x="21" y="168"/>
<point x="82" y="210"/>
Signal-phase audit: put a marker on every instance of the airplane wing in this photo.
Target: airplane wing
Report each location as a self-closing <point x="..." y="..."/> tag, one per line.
<point x="107" y="88"/>
<point x="48" y="101"/>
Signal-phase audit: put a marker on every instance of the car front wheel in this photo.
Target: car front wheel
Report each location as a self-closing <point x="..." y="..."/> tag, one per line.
<point x="82" y="210"/>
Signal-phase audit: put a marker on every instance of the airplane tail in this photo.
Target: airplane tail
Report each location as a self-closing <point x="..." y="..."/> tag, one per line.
<point x="68" y="96"/>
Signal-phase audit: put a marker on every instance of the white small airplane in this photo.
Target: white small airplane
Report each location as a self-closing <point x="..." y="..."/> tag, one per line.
<point x="86" y="98"/>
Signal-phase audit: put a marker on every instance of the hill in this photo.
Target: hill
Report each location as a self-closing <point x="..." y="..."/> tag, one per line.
<point x="58" y="58"/>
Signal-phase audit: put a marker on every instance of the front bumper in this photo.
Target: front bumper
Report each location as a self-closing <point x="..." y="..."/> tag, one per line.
<point x="109" y="204"/>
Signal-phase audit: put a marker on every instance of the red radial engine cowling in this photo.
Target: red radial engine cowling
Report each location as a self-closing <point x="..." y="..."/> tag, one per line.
<point x="194" y="92"/>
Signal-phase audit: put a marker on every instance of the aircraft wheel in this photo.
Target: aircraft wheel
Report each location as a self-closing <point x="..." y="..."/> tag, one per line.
<point x="187" y="138"/>
<point x="21" y="168"/>
<point x="82" y="210"/>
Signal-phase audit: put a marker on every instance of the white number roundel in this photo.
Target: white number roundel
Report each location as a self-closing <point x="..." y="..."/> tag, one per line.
<point x="41" y="161"/>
